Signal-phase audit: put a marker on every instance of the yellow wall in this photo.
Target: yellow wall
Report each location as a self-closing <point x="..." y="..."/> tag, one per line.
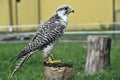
<point x="86" y="11"/>
<point x="28" y="12"/>
<point x="4" y="12"/>
<point x="118" y="10"/>
<point x="117" y="2"/>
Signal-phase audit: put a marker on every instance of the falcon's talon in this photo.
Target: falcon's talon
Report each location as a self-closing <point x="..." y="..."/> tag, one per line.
<point x="50" y="60"/>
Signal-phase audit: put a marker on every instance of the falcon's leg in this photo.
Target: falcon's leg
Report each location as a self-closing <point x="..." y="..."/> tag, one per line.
<point x="47" y="55"/>
<point x="52" y="60"/>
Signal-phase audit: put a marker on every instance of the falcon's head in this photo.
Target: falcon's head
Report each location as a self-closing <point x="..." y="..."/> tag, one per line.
<point x="64" y="10"/>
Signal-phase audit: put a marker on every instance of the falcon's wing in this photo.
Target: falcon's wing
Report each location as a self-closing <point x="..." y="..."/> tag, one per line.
<point x="48" y="33"/>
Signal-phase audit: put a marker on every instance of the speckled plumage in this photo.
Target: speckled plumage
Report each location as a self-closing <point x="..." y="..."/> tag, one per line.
<point x="46" y="37"/>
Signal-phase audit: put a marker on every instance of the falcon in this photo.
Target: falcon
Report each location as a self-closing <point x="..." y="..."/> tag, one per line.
<point x="45" y="38"/>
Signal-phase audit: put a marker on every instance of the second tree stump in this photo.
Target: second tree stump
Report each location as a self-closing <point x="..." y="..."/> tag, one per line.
<point x="98" y="53"/>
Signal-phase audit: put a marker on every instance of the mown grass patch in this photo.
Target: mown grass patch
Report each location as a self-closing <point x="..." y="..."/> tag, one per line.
<point x="71" y="52"/>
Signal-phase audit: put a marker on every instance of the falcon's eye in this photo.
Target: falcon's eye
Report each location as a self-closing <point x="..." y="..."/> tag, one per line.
<point x="66" y="8"/>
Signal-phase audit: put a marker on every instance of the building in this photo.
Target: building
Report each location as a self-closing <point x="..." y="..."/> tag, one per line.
<point x="27" y="12"/>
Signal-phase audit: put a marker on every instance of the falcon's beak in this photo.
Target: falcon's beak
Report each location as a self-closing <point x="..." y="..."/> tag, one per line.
<point x="72" y="10"/>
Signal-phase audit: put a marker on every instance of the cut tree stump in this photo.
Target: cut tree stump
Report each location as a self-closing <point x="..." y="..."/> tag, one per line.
<point x="98" y="53"/>
<point x="58" y="71"/>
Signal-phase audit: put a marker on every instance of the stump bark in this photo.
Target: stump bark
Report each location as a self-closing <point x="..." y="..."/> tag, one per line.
<point x="57" y="71"/>
<point x="98" y="53"/>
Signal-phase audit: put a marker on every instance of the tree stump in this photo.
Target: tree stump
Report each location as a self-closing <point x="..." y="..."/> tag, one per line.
<point x="57" y="71"/>
<point x="98" y="53"/>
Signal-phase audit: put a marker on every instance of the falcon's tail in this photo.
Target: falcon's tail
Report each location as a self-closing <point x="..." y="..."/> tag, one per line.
<point x="21" y="62"/>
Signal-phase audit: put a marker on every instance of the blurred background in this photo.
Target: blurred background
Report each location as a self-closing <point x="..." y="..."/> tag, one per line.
<point x="26" y="15"/>
<point x="19" y="20"/>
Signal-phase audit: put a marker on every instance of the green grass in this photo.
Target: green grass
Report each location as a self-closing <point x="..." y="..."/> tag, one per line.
<point x="72" y="52"/>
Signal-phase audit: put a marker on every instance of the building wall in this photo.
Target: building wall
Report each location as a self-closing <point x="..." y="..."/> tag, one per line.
<point x="27" y="12"/>
<point x="4" y="12"/>
<point x="86" y="11"/>
<point x="24" y="12"/>
<point x="118" y="10"/>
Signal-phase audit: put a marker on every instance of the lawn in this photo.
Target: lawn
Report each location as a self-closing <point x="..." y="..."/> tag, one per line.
<point x="72" y="52"/>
